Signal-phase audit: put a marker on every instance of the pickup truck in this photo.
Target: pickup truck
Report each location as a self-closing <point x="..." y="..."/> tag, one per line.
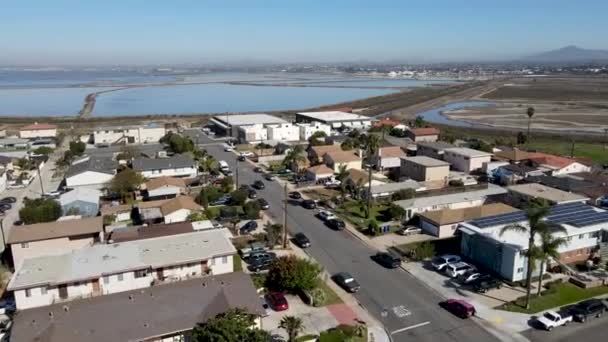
<point x="552" y="319"/>
<point x="484" y="284"/>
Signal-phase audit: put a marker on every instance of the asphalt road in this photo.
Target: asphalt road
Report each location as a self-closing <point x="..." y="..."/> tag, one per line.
<point x="412" y="308"/>
<point x="594" y="330"/>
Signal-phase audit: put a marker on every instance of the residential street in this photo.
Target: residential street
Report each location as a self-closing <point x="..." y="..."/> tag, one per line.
<point x="591" y="331"/>
<point x="412" y="311"/>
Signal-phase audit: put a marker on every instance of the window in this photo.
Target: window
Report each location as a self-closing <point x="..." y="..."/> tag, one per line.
<point x="120" y="277"/>
<point x="25" y="245"/>
<point x="43" y="290"/>
<point x="28" y="293"/>
<point x="520" y="270"/>
<point x="141" y="273"/>
<point x="224" y="260"/>
<point x="581" y="236"/>
<point x="106" y="279"/>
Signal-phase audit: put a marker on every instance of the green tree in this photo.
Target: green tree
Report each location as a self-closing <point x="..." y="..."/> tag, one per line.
<point x="252" y="210"/>
<point x="530" y="113"/>
<point x="397" y="212"/>
<point x="293" y="326"/>
<point x="24" y="164"/>
<point x="273" y="233"/>
<point x="419" y="122"/>
<point x="196" y="216"/>
<point x="235" y="325"/>
<point x="39" y="210"/>
<point x="536" y="225"/>
<point x="227" y="184"/>
<point x="403" y="194"/>
<point x="293" y="274"/>
<point x="77" y="148"/>
<point x="208" y="165"/>
<point x="317" y="138"/>
<point x="342" y="177"/>
<point x="177" y="143"/>
<point x="238" y="197"/>
<point x="549" y="249"/>
<point x="397" y="132"/>
<point x="348" y="144"/>
<point x="125" y="182"/>
<point x="208" y="194"/>
<point x="43" y="150"/>
<point x="295" y="156"/>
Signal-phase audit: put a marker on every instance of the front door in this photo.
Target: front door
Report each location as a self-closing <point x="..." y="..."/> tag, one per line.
<point x="204" y="268"/>
<point x="63" y="291"/>
<point x="96" y="288"/>
<point x="159" y="274"/>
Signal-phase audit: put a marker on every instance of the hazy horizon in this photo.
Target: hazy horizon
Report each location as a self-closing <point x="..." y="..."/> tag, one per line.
<point x="68" y="32"/>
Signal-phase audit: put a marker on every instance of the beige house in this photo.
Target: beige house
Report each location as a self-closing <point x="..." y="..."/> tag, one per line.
<point x="422" y="134"/>
<point x="316" y="153"/>
<point x="164" y="187"/>
<point x="319" y="172"/>
<point x="388" y="157"/>
<point x="54" y="238"/>
<point x="466" y="159"/>
<point x="38" y="130"/>
<point x="335" y="159"/>
<point x="424" y="169"/>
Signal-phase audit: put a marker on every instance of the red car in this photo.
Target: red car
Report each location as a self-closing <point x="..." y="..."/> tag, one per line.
<point x="459" y="307"/>
<point x="277" y="301"/>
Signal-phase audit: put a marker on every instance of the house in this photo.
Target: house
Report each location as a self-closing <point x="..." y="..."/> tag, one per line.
<point x="164" y="188"/>
<point x="160" y="313"/>
<point x="335" y="119"/>
<point x="316" y="153"/>
<point x="388" y="158"/>
<point x="424" y="169"/>
<point x="336" y="159"/>
<point x="386" y="122"/>
<point x="110" y="268"/>
<point x="308" y="129"/>
<point x="422" y="134"/>
<point x="90" y="172"/>
<point x="512" y="173"/>
<point x="358" y="178"/>
<point x="457" y="200"/>
<point x="520" y="194"/>
<point x="149" y="232"/>
<point x="557" y="165"/>
<point x="587" y="187"/>
<point x="443" y="223"/>
<point x="80" y="201"/>
<point x="132" y="134"/>
<point x="53" y="238"/>
<point x="125" y="213"/>
<point x="178" y="209"/>
<point x="482" y="241"/>
<point x="176" y="166"/>
<point x="319" y="172"/>
<point x="14" y="143"/>
<point x="432" y="149"/>
<point x="513" y="155"/>
<point x="2" y="131"/>
<point x="466" y="159"/>
<point x="387" y="189"/>
<point x="38" y="130"/>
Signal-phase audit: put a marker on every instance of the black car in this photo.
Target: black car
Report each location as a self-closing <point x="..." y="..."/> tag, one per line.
<point x="309" y="204"/>
<point x="5" y="206"/>
<point x="257" y="169"/>
<point x="387" y="260"/>
<point x="336" y="224"/>
<point x="248" y="227"/>
<point x="587" y="309"/>
<point x="484" y="284"/>
<point x="260" y="265"/>
<point x="259" y="185"/>
<point x="269" y="177"/>
<point x="263" y="204"/>
<point x="252" y="194"/>
<point x="8" y="200"/>
<point x="301" y="240"/>
<point x="295" y="195"/>
<point x="347" y="282"/>
<point x="241" y="158"/>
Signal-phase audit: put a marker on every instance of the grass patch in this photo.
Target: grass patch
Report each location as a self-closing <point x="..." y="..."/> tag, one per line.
<point x="330" y="295"/>
<point x="305" y="338"/>
<point x="595" y="152"/>
<point x="564" y="294"/>
<point x="355" y="214"/>
<point x="440" y="246"/>
<point x="237" y="262"/>
<point x="343" y="333"/>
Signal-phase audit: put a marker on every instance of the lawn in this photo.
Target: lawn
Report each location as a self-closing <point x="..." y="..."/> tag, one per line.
<point x="565" y="293"/>
<point x="354" y="213"/>
<point x="330" y="296"/>
<point x="343" y="333"/>
<point x="595" y="152"/>
<point x="237" y="262"/>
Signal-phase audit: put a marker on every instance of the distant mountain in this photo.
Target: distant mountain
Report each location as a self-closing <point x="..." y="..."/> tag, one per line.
<point x="569" y="54"/>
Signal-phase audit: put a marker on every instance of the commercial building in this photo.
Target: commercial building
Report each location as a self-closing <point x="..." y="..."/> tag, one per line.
<point x="335" y="119"/>
<point x="114" y="135"/>
<point x="504" y="254"/>
<point x="231" y="124"/>
<point x="424" y="169"/>
<point x="308" y="129"/>
<point x="432" y="149"/>
<point x="175" y="166"/>
<point x="165" y="313"/>
<point x="466" y="159"/>
<point x="80" y="201"/>
<point x="90" y="172"/>
<point x="283" y="132"/>
<point x="422" y="134"/>
<point x="110" y="268"/>
<point x="38" y="130"/>
<point x="521" y="194"/>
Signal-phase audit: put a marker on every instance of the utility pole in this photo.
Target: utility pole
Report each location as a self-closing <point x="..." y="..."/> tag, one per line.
<point x="2" y="231"/>
<point x="572" y="148"/>
<point x="40" y="179"/>
<point x="285" y="216"/>
<point x="237" y="172"/>
<point x="369" y="190"/>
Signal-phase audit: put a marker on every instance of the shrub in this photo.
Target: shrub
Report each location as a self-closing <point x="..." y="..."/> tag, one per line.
<point x="208" y="194"/>
<point x="456" y="182"/>
<point x="39" y="210"/>
<point x="318" y="297"/>
<point x="374" y="227"/>
<point x="252" y="210"/>
<point x="423" y="251"/>
<point x="238" y="197"/>
<point x="43" y="150"/>
<point x="293" y="274"/>
<point x="403" y="194"/>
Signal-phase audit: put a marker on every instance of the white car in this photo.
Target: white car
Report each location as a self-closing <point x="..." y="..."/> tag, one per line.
<point x="325" y="215"/>
<point x="265" y="306"/>
<point x="457" y="269"/>
<point x="441" y="262"/>
<point x="247" y="154"/>
<point x="332" y="183"/>
<point x="228" y="148"/>
<point x="552" y="319"/>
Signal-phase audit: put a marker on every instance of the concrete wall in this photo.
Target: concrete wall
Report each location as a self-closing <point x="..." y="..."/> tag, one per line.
<point x="423" y="173"/>
<point x="42" y="133"/>
<point x="48" y="247"/>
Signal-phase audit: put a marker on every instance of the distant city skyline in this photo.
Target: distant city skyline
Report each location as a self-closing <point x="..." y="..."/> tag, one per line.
<point x="137" y="32"/>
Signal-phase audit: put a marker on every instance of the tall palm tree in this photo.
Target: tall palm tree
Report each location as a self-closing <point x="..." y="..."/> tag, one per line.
<point x="342" y="176"/>
<point x="530" y="113"/>
<point x="294" y="157"/>
<point x="372" y="147"/>
<point x="293" y="326"/>
<point x="549" y="246"/>
<point x="535" y="226"/>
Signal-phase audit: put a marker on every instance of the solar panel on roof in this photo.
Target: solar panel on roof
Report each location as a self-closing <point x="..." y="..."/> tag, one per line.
<point x="589" y="220"/>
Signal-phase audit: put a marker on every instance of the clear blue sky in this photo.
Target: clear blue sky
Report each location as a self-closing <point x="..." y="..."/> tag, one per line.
<point x="197" y="31"/>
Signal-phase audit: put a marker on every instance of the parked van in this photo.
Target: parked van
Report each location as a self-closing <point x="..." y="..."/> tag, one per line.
<point x="223" y="166"/>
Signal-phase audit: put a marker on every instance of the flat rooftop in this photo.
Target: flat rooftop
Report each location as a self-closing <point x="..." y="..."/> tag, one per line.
<point x="536" y="190"/>
<point x="426" y="161"/>
<point x="468" y="152"/>
<point x="449" y="216"/>
<point x="335" y="116"/>
<point x="98" y="260"/>
<point x="248" y="119"/>
<point x="423" y="202"/>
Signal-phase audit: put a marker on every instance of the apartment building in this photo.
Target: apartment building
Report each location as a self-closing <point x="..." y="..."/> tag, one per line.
<point x="175" y="166"/>
<point x="113" y="135"/>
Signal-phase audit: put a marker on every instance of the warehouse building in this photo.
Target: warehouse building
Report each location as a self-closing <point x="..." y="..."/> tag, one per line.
<point x="335" y="119"/>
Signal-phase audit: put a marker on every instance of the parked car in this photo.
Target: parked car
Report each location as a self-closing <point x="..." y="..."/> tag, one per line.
<point x="263" y="204"/>
<point x="257" y="169"/>
<point x="309" y="204"/>
<point x="326" y="215"/>
<point x="258" y="184"/>
<point x="260" y="265"/>
<point x="347" y="282"/>
<point x="8" y="200"/>
<point x="485" y="284"/>
<point x="253" y="248"/>
<point x="441" y="262"/>
<point x="457" y="269"/>
<point x="7" y="306"/>
<point x="247" y="154"/>
<point x="335" y="224"/>
<point x="295" y="195"/>
<point x="459" y="307"/>
<point x="251" y="193"/>
<point x="587" y="309"/>
<point x="221" y="201"/>
<point x="268" y="177"/>
<point x="241" y="158"/>
<point x="409" y="230"/>
<point x="387" y="260"/>
<point x="277" y="301"/>
<point x="5" y="206"/>
<point x="261" y="256"/>
<point x="228" y="148"/>
<point x="469" y="276"/>
<point x="265" y="305"/>
<point x="552" y="319"/>
<point x="332" y="183"/>
<point x="301" y="240"/>
<point x="227" y="173"/>
<point x="248" y="227"/>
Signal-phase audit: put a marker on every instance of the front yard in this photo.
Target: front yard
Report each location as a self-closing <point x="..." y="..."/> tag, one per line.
<point x="354" y="213"/>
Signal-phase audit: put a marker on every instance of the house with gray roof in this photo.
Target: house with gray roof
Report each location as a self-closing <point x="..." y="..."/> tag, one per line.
<point x="178" y="165"/>
<point x="90" y="172"/>
<point x="80" y="201"/>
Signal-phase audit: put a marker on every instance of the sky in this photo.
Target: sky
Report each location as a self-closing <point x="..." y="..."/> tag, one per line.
<point x="138" y="32"/>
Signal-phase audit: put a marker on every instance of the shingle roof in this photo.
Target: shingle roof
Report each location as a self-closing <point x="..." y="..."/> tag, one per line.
<point x="391" y="152"/>
<point x="175" y="162"/>
<point x="320" y="170"/>
<point x="156" y="183"/>
<point x="180" y="202"/>
<point x="140" y="314"/>
<point x="321" y="150"/>
<point x="551" y="160"/>
<point x="114" y="209"/>
<point x="550" y="194"/>
<point x="342" y="156"/>
<point x="92" y="163"/>
<point x="57" y="229"/>
<point x="448" y="216"/>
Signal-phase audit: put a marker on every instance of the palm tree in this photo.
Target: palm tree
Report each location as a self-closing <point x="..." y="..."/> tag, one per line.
<point x="293" y="326"/>
<point x="342" y="176"/>
<point x="208" y="164"/>
<point x="549" y="246"/>
<point x="294" y="157"/>
<point x="535" y="226"/>
<point x="530" y="113"/>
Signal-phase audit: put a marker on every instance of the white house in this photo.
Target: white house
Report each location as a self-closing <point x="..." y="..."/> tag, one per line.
<point x="283" y="132"/>
<point x="90" y="172"/>
<point x="557" y="165"/>
<point x="388" y="157"/>
<point x="38" y="130"/>
<point x="466" y="159"/>
<point x="176" y="166"/>
<point x="150" y="133"/>
<point x="110" y="268"/>
<point x="308" y="129"/>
